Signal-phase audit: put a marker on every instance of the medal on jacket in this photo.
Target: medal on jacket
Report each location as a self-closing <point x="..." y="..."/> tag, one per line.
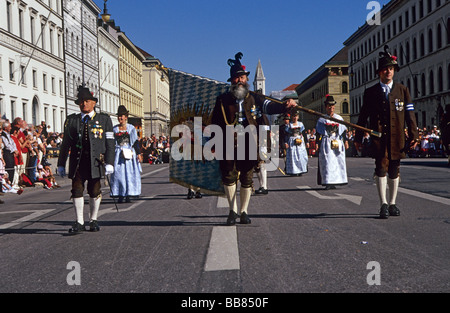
<point x="97" y="130"/>
<point x="399" y="106"/>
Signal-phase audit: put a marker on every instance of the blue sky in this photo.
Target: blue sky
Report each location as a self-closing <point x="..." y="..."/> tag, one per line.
<point x="292" y="38"/>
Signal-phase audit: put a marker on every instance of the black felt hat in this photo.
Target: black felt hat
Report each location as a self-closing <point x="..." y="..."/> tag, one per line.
<point x="387" y="59"/>
<point x="330" y="100"/>
<point x="237" y="69"/>
<point x="84" y="94"/>
<point x="122" y="110"/>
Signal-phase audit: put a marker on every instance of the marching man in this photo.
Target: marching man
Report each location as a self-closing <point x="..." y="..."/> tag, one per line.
<point x="89" y="137"/>
<point x="236" y="107"/>
<point x="389" y="108"/>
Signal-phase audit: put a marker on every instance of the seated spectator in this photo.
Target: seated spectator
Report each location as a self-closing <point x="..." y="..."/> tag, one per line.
<point x="6" y="185"/>
<point x="42" y="177"/>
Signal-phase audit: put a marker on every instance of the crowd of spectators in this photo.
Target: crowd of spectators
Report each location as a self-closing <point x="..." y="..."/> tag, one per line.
<point x="25" y="149"/>
<point x="155" y="150"/>
<point x="431" y="144"/>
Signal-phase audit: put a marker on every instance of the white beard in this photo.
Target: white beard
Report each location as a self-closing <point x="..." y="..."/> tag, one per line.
<point x="239" y="91"/>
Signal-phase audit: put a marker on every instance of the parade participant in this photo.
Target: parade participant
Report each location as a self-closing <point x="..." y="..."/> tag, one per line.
<point x="10" y="151"/>
<point x="284" y="135"/>
<point x="126" y="179"/>
<point x="445" y="132"/>
<point x="333" y="143"/>
<point x="239" y="106"/>
<point x="296" y="153"/>
<point x="89" y="138"/>
<point x="261" y="169"/>
<point x="312" y="139"/>
<point x="194" y="192"/>
<point x="388" y="107"/>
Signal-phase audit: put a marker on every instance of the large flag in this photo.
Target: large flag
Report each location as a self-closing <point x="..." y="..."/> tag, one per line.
<point x="194" y="96"/>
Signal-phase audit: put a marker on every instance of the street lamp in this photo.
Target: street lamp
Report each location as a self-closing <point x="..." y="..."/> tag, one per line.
<point x="105" y="16"/>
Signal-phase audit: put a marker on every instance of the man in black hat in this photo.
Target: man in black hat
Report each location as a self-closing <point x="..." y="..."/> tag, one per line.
<point x="90" y="139"/>
<point x="240" y="106"/>
<point x="389" y="108"/>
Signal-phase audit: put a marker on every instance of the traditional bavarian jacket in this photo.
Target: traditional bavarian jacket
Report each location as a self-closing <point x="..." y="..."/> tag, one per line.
<point x="250" y="111"/>
<point x="96" y="139"/>
<point x="388" y="115"/>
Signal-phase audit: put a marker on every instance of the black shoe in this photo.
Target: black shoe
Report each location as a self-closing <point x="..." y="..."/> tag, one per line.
<point x="245" y="219"/>
<point x="231" y="220"/>
<point x="120" y="199"/>
<point x="190" y="194"/>
<point x="262" y="191"/>
<point x="77" y="228"/>
<point x="198" y="195"/>
<point x="384" y="211"/>
<point x="393" y="210"/>
<point x="127" y="199"/>
<point x="93" y="226"/>
<point x="329" y="187"/>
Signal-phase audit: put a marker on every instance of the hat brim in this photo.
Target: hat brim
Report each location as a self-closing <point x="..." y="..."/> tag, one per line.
<point x="238" y="74"/>
<point x="79" y="101"/>
<point x="396" y="66"/>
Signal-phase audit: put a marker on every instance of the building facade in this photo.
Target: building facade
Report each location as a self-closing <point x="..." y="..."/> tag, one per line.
<point x="331" y="78"/>
<point x="417" y="32"/>
<point x="108" y="48"/>
<point x="156" y="97"/>
<point x="131" y="81"/>
<point x="32" y="62"/>
<point x="81" y="49"/>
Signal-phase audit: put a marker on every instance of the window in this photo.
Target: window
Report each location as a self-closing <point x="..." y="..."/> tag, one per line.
<point x="430" y="41"/>
<point x="43" y="36"/>
<point x="8" y="17"/>
<point x="32" y="29"/>
<point x="440" y="80"/>
<point x="53" y="85"/>
<point x="20" y="23"/>
<point x="431" y="83"/>
<point x="44" y="83"/>
<point x="345" y="108"/>
<point x="439" y="37"/>
<point x="13" y="109"/>
<point x="34" y="79"/>
<point x="11" y="71"/>
<point x="51" y="41"/>
<point x="22" y="75"/>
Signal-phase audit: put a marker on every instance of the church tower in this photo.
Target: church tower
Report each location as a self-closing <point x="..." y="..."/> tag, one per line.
<point x="259" y="84"/>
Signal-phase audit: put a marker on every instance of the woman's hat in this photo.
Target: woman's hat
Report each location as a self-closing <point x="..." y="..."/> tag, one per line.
<point x="84" y="94"/>
<point x="237" y="69"/>
<point x="122" y="110"/>
<point x="387" y="59"/>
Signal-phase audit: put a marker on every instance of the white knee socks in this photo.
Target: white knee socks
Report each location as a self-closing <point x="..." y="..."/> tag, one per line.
<point x="245" y="198"/>
<point x="79" y="207"/>
<point x="381" y="183"/>
<point x="94" y="206"/>
<point x="230" y="192"/>
<point x="393" y="189"/>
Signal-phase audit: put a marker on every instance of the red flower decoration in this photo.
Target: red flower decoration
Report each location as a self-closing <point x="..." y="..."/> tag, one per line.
<point x="243" y="67"/>
<point x="394" y="58"/>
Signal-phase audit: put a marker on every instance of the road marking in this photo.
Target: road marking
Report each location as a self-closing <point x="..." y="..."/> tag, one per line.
<point x="222" y="202"/>
<point x="338" y="196"/>
<point x="223" y="251"/>
<point x="24" y="219"/>
<point x="121" y="210"/>
<point x="425" y="196"/>
<point x="153" y="172"/>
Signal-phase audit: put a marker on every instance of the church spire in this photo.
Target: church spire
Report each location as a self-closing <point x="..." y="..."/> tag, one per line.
<point x="259" y="83"/>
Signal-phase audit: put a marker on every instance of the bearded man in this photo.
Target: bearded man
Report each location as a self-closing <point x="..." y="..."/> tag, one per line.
<point x="240" y="106"/>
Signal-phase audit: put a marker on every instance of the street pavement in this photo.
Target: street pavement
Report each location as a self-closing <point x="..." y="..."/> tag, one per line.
<point x="302" y="239"/>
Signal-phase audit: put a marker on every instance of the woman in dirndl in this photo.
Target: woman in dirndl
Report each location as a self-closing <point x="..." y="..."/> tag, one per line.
<point x="332" y="145"/>
<point x="296" y="153"/>
<point x="126" y="179"/>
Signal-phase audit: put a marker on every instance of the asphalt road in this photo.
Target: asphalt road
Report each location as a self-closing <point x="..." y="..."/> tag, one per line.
<point x="303" y="239"/>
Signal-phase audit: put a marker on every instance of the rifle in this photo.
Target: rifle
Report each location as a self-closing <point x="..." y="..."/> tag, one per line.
<point x="309" y="111"/>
